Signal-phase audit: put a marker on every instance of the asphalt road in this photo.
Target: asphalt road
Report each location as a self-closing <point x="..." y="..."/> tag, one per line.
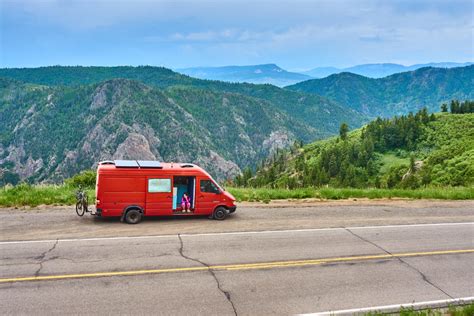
<point x="245" y="273"/>
<point x="62" y="222"/>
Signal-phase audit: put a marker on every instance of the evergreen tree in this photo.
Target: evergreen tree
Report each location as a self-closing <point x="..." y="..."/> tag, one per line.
<point x="343" y="130"/>
<point x="454" y="106"/>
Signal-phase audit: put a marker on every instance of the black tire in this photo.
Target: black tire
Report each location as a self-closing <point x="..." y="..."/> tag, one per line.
<point x="133" y="216"/>
<point x="220" y="213"/>
<point x="80" y="209"/>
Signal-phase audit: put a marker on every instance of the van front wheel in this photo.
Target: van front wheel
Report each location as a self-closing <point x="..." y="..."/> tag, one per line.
<point x="133" y="217"/>
<point x="220" y="213"/>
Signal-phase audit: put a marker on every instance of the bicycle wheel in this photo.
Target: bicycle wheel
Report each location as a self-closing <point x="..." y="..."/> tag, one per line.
<point x="79" y="208"/>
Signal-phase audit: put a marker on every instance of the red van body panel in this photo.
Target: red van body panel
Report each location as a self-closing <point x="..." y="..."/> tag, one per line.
<point x="153" y="190"/>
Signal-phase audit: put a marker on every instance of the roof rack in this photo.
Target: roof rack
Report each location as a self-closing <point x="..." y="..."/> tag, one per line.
<point x="137" y="164"/>
<point x="149" y="164"/>
<point x="126" y="164"/>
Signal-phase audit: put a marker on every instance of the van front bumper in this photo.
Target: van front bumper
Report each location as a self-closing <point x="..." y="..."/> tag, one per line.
<point x="232" y="209"/>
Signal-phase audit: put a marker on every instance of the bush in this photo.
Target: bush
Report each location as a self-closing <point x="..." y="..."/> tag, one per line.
<point x="85" y="179"/>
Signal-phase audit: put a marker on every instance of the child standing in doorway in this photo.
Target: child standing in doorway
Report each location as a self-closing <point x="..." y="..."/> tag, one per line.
<point x="186" y="203"/>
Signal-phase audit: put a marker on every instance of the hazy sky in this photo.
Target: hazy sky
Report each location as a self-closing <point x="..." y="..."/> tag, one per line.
<point x="293" y="34"/>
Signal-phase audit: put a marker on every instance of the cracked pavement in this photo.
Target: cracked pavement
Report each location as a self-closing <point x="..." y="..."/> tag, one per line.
<point x="213" y="291"/>
<point x="219" y="286"/>
<point x="423" y="276"/>
<point x="42" y="258"/>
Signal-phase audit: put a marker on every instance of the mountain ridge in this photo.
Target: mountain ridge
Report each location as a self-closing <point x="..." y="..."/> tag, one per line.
<point x="260" y="74"/>
<point x="395" y="94"/>
<point x="60" y="120"/>
<point x="317" y="111"/>
<point x="378" y="70"/>
<point x="50" y="132"/>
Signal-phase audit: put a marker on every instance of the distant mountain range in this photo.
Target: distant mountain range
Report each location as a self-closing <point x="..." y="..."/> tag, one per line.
<point x="377" y="70"/>
<point x="273" y="74"/>
<point x="267" y="73"/>
<point x="396" y="94"/>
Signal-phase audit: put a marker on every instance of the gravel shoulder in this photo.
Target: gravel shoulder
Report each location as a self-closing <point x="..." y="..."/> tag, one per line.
<point x="53" y="222"/>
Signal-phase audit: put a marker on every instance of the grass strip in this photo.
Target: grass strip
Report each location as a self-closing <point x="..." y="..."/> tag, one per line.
<point x="465" y="310"/>
<point x="34" y="195"/>
<point x="265" y="194"/>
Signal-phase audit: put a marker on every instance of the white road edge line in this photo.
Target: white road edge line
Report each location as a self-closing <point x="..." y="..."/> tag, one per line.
<point x="232" y="233"/>
<point x="397" y="307"/>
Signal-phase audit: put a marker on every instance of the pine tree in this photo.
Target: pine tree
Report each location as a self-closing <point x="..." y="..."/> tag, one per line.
<point x="444" y="107"/>
<point x="424" y="116"/>
<point x="343" y="131"/>
<point x="455" y="106"/>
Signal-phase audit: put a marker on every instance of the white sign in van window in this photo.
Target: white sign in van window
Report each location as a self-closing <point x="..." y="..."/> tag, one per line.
<point x="159" y="185"/>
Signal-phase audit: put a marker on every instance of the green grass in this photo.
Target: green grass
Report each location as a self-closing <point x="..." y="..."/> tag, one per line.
<point x="264" y="194"/>
<point x="34" y="195"/>
<point x="466" y="310"/>
<point x="390" y="160"/>
<point x="29" y="195"/>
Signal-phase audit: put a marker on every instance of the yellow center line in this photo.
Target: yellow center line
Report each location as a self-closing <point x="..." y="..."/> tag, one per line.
<point x="234" y="267"/>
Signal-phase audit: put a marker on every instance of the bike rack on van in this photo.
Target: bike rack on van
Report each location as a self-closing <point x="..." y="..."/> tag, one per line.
<point x="82" y="206"/>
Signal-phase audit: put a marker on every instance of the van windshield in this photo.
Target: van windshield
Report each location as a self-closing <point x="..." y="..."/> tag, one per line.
<point x="216" y="183"/>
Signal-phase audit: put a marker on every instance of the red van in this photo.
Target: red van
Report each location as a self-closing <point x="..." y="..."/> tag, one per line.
<point x="132" y="189"/>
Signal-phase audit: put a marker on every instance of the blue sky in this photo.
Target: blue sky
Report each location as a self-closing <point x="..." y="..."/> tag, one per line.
<point x="294" y="34"/>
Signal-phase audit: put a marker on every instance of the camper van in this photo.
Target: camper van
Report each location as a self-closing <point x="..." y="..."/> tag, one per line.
<point x="132" y="189"/>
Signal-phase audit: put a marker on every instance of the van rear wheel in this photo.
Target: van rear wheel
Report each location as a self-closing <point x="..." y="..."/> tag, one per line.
<point x="133" y="217"/>
<point x="220" y="213"/>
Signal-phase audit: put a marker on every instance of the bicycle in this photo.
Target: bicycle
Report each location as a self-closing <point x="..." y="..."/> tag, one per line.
<point x="81" y="204"/>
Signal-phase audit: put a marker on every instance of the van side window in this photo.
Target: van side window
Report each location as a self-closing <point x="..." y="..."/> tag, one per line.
<point x="159" y="185"/>
<point x="209" y="187"/>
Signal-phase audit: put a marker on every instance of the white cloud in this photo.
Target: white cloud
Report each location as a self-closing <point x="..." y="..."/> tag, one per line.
<point x="296" y="33"/>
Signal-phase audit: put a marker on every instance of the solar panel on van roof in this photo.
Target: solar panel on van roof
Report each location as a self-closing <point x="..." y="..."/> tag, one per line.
<point x="126" y="163"/>
<point x="149" y="164"/>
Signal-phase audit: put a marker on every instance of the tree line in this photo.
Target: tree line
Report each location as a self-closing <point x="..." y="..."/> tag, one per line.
<point x="456" y="107"/>
<point x="352" y="159"/>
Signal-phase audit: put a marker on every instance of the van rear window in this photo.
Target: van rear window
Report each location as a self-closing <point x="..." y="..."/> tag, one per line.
<point x="159" y="185"/>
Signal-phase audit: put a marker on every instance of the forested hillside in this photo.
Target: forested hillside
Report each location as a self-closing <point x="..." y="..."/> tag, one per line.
<point x="316" y="111"/>
<point x="396" y="94"/>
<point x="49" y="133"/>
<point x="56" y="121"/>
<point x="406" y="152"/>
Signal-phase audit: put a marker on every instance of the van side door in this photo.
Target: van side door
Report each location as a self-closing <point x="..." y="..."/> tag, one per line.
<point x="159" y="196"/>
<point x="207" y="196"/>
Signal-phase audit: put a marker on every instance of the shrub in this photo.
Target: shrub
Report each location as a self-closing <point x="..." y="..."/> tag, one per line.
<point x="85" y="179"/>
